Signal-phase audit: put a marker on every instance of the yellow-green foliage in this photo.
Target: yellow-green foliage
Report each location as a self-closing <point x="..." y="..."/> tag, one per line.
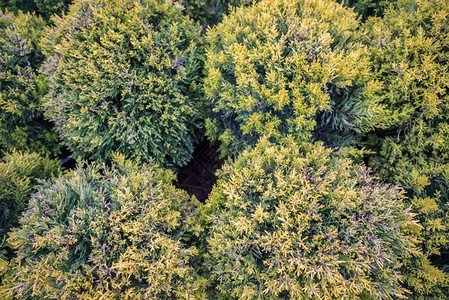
<point x="19" y="174"/>
<point x="427" y="277"/>
<point x="21" y="122"/>
<point x="409" y="53"/>
<point x="273" y="66"/>
<point x="293" y="221"/>
<point x="106" y="233"/>
<point x="123" y="76"/>
<point x="288" y="218"/>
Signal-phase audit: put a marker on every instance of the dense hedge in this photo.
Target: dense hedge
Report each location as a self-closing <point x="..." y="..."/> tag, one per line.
<point x="123" y="76"/>
<point x="21" y="122"/>
<point x="272" y="66"/>
<point x="114" y="233"/>
<point x="294" y="221"/>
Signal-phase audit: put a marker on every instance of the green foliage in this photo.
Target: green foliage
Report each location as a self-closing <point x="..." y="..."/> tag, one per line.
<point x="368" y="8"/>
<point x="409" y="53"/>
<point x="273" y="66"/>
<point x="112" y="233"/>
<point x="219" y="8"/>
<point x="21" y="122"/>
<point x="19" y="174"/>
<point x="210" y="12"/>
<point x="123" y="76"/>
<point x="195" y="9"/>
<point x="294" y="221"/>
<point x="428" y="276"/>
<point x="45" y="8"/>
<point x="18" y="5"/>
<point x="287" y="218"/>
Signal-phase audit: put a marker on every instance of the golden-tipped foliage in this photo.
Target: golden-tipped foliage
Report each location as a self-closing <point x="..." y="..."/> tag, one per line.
<point x="123" y="232"/>
<point x="409" y="53"/>
<point x="294" y="221"/>
<point x="271" y="67"/>
<point x="123" y="76"/>
<point x="19" y="174"/>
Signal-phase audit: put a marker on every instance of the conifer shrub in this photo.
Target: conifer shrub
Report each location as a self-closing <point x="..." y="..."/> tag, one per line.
<point x="210" y="12"/>
<point x="271" y="67"/>
<point x="123" y="76"/>
<point x="219" y="8"/>
<point x="21" y="120"/>
<point x="196" y="9"/>
<point x="44" y="8"/>
<point x="367" y="8"/>
<point x="294" y="221"/>
<point x="409" y="54"/>
<point x="122" y="232"/>
<point x="19" y="174"/>
<point x="15" y="6"/>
